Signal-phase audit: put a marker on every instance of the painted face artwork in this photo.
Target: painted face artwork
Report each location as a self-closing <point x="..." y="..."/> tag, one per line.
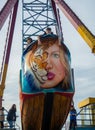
<point x="55" y="69"/>
<point x="46" y="67"/>
<point x="38" y="65"/>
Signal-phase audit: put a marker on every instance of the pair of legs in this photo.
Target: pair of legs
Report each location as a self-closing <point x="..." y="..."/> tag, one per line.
<point x="72" y="125"/>
<point x="11" y="123"/>
<point x="1" y="124"/>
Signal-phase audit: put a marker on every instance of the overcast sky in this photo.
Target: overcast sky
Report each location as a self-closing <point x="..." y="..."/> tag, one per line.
<point x="83" y="61"/>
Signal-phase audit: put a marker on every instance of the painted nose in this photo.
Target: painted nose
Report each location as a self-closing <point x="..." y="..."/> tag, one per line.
<point x="49" y="64"/>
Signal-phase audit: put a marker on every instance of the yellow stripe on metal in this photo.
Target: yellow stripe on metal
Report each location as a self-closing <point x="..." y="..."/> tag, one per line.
<point x="2" y="85"/>
<point x="88" y="37"/>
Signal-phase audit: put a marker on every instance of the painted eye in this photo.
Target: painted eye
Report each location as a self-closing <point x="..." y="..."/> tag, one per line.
<point x="55" y="55"/>
<point x="44" y="56"/>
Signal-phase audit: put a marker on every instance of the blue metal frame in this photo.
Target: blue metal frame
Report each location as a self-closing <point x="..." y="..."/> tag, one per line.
<point x="36" y="16"/>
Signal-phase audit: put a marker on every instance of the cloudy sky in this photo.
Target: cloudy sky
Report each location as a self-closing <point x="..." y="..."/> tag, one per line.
<point x="83" y="61"/>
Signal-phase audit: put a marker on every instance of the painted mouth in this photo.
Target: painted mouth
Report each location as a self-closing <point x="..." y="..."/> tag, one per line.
<point x="50" y="75"/>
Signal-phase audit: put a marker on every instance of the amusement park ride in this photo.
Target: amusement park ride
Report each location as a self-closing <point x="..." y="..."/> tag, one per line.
<point x="47" y="111"/>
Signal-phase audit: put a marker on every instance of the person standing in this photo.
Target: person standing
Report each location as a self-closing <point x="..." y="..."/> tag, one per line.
<point x="29" y="40"/>
<point x="73" y="122"/>
<point x="11" y="117"/>
<point x="2" y="117"/>
<point x="47" y="31"/>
